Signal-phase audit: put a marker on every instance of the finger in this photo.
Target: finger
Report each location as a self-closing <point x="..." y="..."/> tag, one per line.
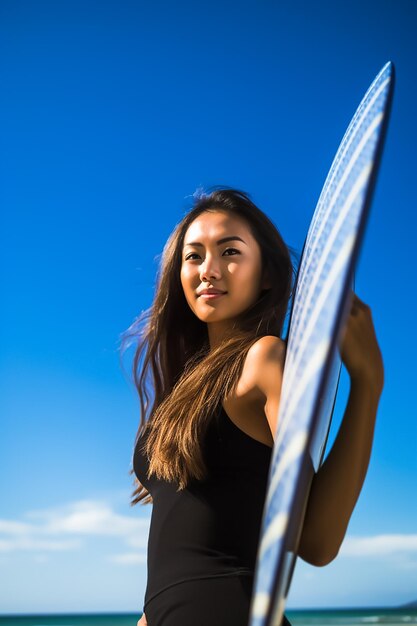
<point x="354" y="306"/>
<point x="360" y="303"/>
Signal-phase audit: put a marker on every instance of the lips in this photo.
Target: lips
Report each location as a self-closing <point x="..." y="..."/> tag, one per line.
<point x="211" y="292"/>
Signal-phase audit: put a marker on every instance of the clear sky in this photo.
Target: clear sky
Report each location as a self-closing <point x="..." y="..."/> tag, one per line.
<point x="112" y="114"/>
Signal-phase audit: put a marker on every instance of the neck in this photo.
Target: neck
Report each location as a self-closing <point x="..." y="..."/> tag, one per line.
<point x="217" y="331"/>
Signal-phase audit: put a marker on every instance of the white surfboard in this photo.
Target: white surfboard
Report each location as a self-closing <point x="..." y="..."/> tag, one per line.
<point x="312" y="368"/>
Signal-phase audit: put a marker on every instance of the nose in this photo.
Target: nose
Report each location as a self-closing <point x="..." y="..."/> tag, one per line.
<point x="209" y="270"/>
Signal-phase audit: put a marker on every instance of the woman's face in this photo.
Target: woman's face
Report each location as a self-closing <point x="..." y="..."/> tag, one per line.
<point x="221" y="267"/>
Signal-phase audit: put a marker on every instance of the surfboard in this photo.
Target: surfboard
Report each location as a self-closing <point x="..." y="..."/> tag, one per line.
<point x="312" y="366"/>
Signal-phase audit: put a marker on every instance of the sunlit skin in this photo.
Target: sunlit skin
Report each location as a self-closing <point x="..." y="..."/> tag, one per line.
<point x="234" y="267"/>
<point x="220" y="254"/>
<point x="255" y="401"/>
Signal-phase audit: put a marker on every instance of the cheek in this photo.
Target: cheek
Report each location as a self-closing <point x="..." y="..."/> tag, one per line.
<point x="248" y="275"/>
<point x="186" y="278"/>
<point x="251" y="281"/>
<point x="233" y="269"/>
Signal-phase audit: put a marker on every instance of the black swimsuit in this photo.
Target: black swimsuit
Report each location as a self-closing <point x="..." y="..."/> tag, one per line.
<point x="203" y="540"/>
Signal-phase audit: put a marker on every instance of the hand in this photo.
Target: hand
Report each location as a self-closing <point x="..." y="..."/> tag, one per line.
<point x="142" y="621"/>
<point x="359" y="347"/>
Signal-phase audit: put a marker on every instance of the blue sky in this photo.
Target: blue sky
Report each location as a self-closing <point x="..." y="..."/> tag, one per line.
<point x="113" y="113"/>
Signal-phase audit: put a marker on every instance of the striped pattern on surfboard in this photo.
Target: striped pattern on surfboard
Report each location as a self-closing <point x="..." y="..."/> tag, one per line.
<point x="320" y="304"/>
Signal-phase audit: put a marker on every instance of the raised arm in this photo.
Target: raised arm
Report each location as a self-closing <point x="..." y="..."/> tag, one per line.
<point x="337" y="484"/>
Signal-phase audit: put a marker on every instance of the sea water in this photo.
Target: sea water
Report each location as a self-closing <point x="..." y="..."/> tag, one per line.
<point x="352" y="617"/>
<point x="335" y="617"/>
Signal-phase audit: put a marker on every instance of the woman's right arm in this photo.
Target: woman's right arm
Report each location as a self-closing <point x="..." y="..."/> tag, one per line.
<point x="142" y="621"/>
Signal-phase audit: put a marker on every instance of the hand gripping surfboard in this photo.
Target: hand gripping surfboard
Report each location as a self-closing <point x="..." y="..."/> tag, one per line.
<point x="321" y="303"/>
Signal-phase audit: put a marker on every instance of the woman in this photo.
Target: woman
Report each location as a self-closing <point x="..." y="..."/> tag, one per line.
<point x="210" y="349"/>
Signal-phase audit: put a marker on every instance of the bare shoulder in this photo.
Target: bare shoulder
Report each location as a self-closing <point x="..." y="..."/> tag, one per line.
<point x="267" y="350"/>
<point x="262" y="374"/>
<point x="267" y="347"/>
<point x="264" y="363"/>
<point x="258" y="389"/>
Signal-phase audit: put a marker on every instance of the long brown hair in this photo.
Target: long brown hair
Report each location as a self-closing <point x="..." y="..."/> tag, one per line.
<point x="180" y="381"/>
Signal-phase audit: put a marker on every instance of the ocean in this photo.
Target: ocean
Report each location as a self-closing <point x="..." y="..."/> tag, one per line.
<point x="334" y="617"/>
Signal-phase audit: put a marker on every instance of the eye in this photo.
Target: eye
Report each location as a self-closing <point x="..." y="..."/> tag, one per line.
<point x="189" y="257"/>
<point x="231" y="251"/>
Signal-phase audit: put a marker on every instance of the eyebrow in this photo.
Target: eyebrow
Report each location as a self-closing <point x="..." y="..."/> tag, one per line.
<point x="224" y="240"/>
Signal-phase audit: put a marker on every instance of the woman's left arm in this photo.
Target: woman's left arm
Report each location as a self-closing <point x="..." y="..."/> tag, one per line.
<point x="337" y="484"/>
